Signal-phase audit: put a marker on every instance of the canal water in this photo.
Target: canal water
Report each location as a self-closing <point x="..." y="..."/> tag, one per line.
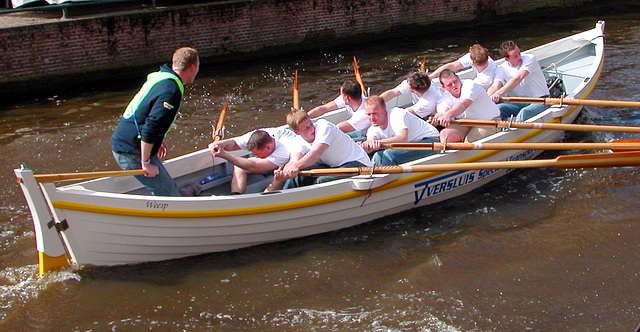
<point x="539" y="250"/>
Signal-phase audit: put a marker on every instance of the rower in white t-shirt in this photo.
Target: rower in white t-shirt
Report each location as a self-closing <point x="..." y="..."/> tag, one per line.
<point x="463" y="99"/>
<point x="396" y="125"/>
<point x="519" y="76"/>
<point x="478" y="58"/>
<point x="322" y="143"/>
<point x="271" y="147"/>
<point x="424" y="95"/>
<point x="352" y="99"/>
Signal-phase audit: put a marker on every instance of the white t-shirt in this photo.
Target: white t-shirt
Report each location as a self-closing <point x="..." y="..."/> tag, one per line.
<point x="484" y="78"/>
<point x="481" y="108"/>
<point x="424" y="105"/>
<point x="358" y="119"/>
<point x="400" y="119"/>
<point x="285" y="139"/>
<point x="534" y="85"/>
<point x="341" y="148"/>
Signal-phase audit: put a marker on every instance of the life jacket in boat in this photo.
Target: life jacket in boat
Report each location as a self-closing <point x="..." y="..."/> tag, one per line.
<point x="152" y="80"/>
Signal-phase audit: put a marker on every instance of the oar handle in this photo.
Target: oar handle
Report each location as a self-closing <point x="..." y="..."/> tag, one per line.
<point x="43" y="178"/>
<point x="345" y="171"/>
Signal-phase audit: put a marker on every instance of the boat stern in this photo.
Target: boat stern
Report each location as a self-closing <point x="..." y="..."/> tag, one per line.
<point x="51" y="252"/>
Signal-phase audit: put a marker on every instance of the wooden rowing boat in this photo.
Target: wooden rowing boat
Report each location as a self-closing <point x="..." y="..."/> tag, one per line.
<point x="111" y="221"/>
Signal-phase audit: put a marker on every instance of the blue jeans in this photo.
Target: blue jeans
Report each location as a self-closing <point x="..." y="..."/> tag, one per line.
<point x="159" y="185"/>
<point x="396" y="157"/>
<point x="301" y="181"/>
<point x="357" y="135"/>
<point x="520" y="111"/>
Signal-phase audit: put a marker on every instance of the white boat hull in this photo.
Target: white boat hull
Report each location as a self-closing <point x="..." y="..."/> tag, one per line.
<point x="101" y="222"/>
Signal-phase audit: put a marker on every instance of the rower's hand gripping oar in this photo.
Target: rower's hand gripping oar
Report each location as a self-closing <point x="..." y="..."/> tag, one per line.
<point x="617" y="159"/>
<point x="356" y="72"/>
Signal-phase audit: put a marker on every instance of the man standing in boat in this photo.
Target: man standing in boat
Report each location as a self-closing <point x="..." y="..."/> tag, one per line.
<point x="139" y="138"/>
<point x="478" y="58"/>
<point x="424" y="95"/>
<point x="519" y="76"/>
<point x="352" y="98"/>
<point x="396" y="125"/>
<point x="463" y="100"/>
<point x="270" y="147"/>
<point x="323" y="143"/>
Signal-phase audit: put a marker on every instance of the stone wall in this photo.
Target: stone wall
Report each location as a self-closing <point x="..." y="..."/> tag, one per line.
<point x="77" y="50"/>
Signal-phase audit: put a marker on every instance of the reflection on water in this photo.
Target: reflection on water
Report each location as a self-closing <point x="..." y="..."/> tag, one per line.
<point x="543" y="249"/>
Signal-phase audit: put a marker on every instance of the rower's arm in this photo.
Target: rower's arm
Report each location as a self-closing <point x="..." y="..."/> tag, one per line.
<point x="453" y="65"/>
<point x="389" y="94"/>
<point x="512" y="83"/>
<point x="319" y="110"/>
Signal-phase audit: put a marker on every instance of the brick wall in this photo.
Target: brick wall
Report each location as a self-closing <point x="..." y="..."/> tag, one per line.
<point x="80" y="50"/>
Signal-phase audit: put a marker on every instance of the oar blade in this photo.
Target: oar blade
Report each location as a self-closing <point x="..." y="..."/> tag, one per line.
<point x="615" y="159"/>
<point x="217" y="132"/>
<point x="356" y="72"/>
<point x="295" y="97"/>
<point x="623" y="141"/>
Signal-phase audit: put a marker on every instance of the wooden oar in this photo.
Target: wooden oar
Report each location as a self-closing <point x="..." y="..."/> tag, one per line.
<point x="617" y="159"/>
<point x="569" y="101"/>
<point x="614" y="145"/>
<point x="423" y="65"/>
<point x="42" y="178"/>
<point x="541" y="125"/>
<point x="296" y="99"/>
<point x="217" y="132"/>
<point x="619" y="141"/>
<point x="356" y="72"/>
